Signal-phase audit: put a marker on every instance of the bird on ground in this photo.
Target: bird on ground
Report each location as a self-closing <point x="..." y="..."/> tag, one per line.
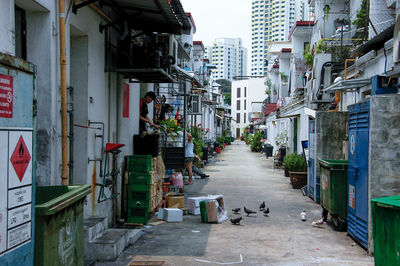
<point x="266" y="212"/>
<point x="248" y="211"/>
<point x="303" y="215"/>
<point x="262" y="206"/>
<point x="236" y="210"/>
<point x="236" y="221"/>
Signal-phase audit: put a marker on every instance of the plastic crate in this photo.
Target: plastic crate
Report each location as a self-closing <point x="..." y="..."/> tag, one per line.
<point x="138" y="199"/>
<point x="203" y="211"/>
<point x="138" y="215"/>
<point x="140" y="181"/>
<point x="139" y="163"/>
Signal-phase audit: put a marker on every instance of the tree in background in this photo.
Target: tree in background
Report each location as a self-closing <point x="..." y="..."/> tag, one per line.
<point x="226" y="89"/>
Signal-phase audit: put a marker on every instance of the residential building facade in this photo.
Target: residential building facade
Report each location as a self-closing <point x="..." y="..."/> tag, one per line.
<point x="272" y="21"/>
<point x="247" y="93"/>
<point x="230" y="58"/>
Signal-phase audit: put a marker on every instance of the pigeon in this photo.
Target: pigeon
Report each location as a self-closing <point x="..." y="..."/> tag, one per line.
<point x="248" y="211"/>
<point x="266" y="212"/>
<point x="236" y="210"/>
<point x="236" y="221"/>
<point x="262" y="206"/>
<point x="303" y="215"/>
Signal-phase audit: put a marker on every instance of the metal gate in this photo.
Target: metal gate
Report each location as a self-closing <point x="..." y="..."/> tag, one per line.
<point x="17" y="163"/>
<point x="357" y="216"/>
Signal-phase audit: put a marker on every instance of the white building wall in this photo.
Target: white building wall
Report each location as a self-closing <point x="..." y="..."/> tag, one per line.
<point x="97" y="94"/>
<point x="255" y="92"/>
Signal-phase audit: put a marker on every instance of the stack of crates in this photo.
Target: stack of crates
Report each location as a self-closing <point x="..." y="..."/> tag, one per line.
<point x="140" y="176"/>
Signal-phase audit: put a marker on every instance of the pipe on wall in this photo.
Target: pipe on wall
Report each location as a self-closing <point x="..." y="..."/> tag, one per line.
<point x="63" y="80"/>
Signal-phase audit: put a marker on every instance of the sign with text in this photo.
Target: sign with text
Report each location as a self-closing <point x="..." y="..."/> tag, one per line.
<point x="16" y="188"/>
<point x="19" y="235"/>
<point x="6" y="96"/>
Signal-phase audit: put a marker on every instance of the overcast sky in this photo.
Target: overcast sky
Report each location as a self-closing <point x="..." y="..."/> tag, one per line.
<point x="220" y="18"/>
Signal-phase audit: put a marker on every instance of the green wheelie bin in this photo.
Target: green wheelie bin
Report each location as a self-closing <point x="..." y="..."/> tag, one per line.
<point x="386" y="230"/>
<point x="59" y="225"/>
<point x="334" y="190"/>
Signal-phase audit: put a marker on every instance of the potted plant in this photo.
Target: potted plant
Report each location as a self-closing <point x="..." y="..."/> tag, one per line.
<point x="256" y="144"/>
<point x="297" y="167"/>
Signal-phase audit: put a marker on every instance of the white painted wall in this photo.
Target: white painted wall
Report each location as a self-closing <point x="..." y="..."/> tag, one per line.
<point x="98" y="95"/>
<point x="255" y="92"/>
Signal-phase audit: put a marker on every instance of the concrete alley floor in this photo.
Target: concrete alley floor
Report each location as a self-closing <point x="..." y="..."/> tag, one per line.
<point x="246" y="179"/>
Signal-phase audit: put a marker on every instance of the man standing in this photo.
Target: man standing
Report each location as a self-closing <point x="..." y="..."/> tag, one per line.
<point x="148" y="98"/>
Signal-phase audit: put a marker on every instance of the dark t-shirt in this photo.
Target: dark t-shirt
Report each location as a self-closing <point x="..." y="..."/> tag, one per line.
<point x="143" y="113"/>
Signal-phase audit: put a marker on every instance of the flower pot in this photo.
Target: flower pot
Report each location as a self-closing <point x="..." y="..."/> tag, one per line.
<point x="298" y="179"/>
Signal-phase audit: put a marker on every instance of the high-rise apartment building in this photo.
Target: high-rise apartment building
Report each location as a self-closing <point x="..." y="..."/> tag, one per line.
<point x="229" y="56"/>
<point x="272" y="21"/>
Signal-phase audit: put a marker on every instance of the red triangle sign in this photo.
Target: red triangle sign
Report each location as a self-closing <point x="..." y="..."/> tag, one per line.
<point x="20" y="158"/>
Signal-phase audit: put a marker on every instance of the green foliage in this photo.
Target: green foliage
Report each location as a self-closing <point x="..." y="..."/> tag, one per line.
<point x="228" y="97"/>
<point x="170" y="127"/>
<point x="256" y="144"/>
<point x="360" y="22"/>
<point x="361" y="15"/>
<point x="250" y="138"/>
<point x="221" y="141"/>
<point x="321" y="47"/>
<point x="198" y="134"/>
<point x="295" y="163"/>
<point x="308" y="56"/>
<point x="225" y="85"/>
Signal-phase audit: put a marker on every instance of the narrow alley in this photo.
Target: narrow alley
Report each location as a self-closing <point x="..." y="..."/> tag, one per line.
<point x="246" y="178"/>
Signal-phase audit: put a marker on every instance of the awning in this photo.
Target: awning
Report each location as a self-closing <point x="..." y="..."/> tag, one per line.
<point x="185" y="75"/>
<point x="163" y="16"/>
<point x="346" y="85"/>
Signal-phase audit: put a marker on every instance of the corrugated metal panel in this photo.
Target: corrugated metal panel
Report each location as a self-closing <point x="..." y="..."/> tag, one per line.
<point x="358" y="172"/>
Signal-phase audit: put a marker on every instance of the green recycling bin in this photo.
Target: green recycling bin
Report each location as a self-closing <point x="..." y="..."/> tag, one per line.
<point x="59" y="225"/>
<point x="386" y="230"/>
<point x="334" y="190"/>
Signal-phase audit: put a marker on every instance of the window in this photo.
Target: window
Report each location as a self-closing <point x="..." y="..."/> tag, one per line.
<point x="244" y="118"/>
<point x="244" y="106"/>
<point x="238" y="118"/>
<point x="238" y="93"/>
<point x="238" y="105"/>
<point x="245" y="90"/>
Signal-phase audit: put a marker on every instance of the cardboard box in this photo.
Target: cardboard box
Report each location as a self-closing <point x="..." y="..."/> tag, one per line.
<point x="216" y="212"/>
<point x="178" y="201"/>
<point x="211" y="207"/>
<point x="173" y="215"/>
<point x="193" y="204"/>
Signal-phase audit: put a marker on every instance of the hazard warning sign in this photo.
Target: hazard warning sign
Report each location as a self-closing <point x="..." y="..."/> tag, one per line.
<point x="6" y="96"/>
<point x="20" y="158"/>
<point x="20" y="162"/>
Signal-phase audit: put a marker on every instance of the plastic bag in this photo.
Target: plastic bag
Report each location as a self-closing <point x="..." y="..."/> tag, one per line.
<point x="177" y="179"/>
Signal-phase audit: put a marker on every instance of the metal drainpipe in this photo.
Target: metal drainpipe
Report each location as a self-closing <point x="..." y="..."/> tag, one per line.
<point x="71" y="134"/>
<point x="63" y="80"/>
